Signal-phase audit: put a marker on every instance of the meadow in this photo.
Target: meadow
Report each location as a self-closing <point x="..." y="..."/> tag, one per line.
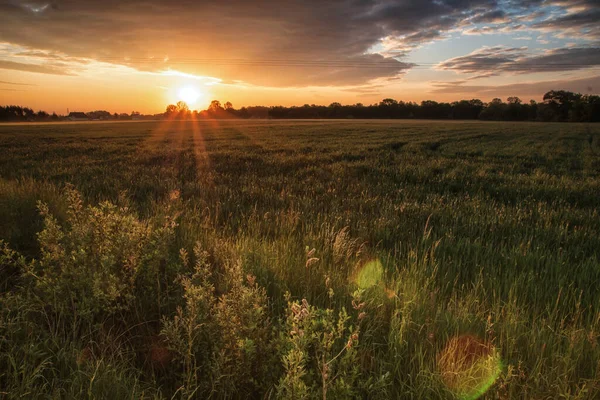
<point x="300" y="259"/>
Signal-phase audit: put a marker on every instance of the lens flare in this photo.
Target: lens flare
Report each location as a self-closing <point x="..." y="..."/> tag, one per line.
<point x="371" y="274"/>
<point x="468" y="366"/>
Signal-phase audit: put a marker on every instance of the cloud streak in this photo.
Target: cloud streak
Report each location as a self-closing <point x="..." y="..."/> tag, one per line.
<point x="16" y="83"/>
<point x="41" y="69"/>
<point x="489" y="61"/>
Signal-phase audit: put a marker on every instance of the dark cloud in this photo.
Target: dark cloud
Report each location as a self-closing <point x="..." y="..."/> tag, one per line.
<point x="563" y="18"/>
<point x="333" y="36"/>
<point x="263" y="42"/>
<point x="582" y="21"/>
<point x="565" y="59"/>
<point x="494" y="16"/>
<point x="485" y="60"/>
<point x="493" y="60"/>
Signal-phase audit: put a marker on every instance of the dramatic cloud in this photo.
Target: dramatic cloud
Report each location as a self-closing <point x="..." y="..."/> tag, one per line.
<point x="561" y="18"/>
<point x="566" y="59"/>
<point x="485" y="61"/>
<point x="268" y="43"/>
<point x="582" y="20"/>
<point x="284" y="43"/>
<point x="494" y="60"/>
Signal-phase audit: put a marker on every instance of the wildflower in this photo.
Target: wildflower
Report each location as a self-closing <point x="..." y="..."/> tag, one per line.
<point x="311" y="261"/>
<point x="174" y="195"/>
<point x="357" y="306"/>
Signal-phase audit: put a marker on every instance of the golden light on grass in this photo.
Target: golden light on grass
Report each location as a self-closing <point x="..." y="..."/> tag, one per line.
<point x="468" y="366"/>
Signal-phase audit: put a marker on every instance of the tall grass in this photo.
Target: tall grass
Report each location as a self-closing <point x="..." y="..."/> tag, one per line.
<point x="299" y="260"/>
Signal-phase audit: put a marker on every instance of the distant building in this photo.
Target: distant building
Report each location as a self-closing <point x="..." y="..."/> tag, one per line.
<point x="78" y="116"/>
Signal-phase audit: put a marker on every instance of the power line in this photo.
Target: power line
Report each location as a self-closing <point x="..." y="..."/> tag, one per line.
<point x="300" y="61"/>
<point x="290" y="63"/>
<point x="383" y="64"/>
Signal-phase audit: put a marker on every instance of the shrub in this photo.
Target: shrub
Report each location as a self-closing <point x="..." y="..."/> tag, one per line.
<point x="89" y="267"/>
<point x="322" y="353"/>
<point x="217" y="338"/>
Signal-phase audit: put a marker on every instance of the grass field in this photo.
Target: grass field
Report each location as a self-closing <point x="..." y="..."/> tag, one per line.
<point x="300" y="259"/>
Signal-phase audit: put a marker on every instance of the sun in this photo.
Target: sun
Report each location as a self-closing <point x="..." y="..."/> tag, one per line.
<point x="189" y="95"/>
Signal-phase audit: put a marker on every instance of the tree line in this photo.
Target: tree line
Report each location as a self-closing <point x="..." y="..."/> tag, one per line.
<point x="26" y="114"/>
<point x="556" y="106"/>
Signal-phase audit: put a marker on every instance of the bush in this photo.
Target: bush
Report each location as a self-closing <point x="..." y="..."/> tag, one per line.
<point x="321" y="354"/>
<point x="89" y="268"/>
<point x="217" y="338"/>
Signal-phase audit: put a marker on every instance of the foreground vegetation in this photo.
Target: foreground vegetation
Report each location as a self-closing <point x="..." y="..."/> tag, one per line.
<point x="300" y="260"/>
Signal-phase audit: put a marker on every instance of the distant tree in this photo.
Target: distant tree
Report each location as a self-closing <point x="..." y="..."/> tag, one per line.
<point x="182" y="107"/>
<point x="170" y="111"/>
<point x="467" y="109"/>
<point x="592" y="109"/>
<point x="228" y="106"/>
<point x="388" y="103"/>
<point x="215" y="106"/>
<point x="431" y="109"/>
<point x="515" y="110"/>
<point x="560" y="103"/>
<point x="29" y="114"/>
<point x="495" y="110"/>
<point x="243" y="113"/>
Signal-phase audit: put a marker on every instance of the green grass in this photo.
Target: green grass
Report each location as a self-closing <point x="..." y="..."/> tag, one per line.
<point x="424" y="233"/>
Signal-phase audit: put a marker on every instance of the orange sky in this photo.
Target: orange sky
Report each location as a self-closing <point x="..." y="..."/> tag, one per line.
<point x="125" y="90"/>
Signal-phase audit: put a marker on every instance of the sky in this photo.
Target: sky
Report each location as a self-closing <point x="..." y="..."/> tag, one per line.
<point x="141" y="55"/>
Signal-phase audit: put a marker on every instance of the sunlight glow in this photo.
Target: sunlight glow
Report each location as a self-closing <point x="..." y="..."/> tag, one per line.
<point x="189" y="94"/>
<point x="205" y="80"/>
